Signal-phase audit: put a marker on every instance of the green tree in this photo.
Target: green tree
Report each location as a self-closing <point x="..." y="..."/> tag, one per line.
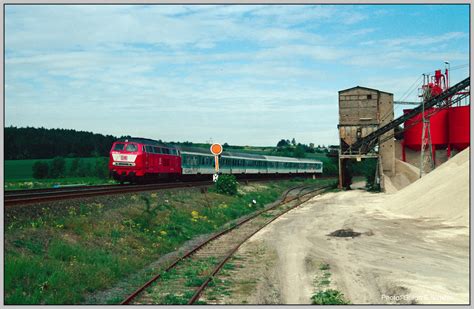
<point x="74" y="166"/>
<point x="84" y="169"/>
<point x="282" y="143"/>
<point x="299" y="151"/>
<point x="57" y="168"/>
<point x="40" y="169"/>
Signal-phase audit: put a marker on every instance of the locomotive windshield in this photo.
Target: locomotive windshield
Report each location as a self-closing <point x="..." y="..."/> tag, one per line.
<point x="131" y="147"/>
<point x="119" y="146"/>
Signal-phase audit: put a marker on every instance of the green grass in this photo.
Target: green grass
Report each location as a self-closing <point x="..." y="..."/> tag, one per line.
<point x="323" y="294"/>
<point x="19" y="175"/>
<point x="324" y="267"/>
<point x="67" y="251"/>
<point x="50" y="183"/>
<point x="22" y="170"/>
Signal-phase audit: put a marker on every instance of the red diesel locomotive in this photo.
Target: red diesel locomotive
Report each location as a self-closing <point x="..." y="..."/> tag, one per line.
<point x="136" y="158"/>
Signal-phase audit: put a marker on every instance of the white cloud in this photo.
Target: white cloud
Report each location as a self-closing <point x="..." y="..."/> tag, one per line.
<point x="264" y="70"/>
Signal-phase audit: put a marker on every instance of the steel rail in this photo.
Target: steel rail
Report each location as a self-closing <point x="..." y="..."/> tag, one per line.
<point x="203" y="286"/>
<point x="199" y="246"/>
<point x="47" y="195"/>
<point x="282" y="201"/>
<point x="13" y="200"/>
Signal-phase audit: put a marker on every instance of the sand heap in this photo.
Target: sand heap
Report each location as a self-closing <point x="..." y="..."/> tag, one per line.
<point x="443" y="193"/>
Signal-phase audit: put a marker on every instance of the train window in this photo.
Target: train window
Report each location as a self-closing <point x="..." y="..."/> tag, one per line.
<point x="165" y="150"/>
<point x="156" y="149"/>
<point x="173" y="152"/>
<point x="131" y="147"/>
<point x="148" y="149"/>
<point x="119" y="147"/>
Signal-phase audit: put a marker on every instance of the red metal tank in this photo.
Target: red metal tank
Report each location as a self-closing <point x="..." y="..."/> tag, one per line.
<point x="459" y="119"/>
<point x="438" y="128"/>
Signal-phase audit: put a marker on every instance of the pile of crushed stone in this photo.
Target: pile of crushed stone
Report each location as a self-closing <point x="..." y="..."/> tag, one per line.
<point x="443" y="193"/>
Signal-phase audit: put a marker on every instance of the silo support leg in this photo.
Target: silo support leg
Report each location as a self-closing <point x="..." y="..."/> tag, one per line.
<point x="341" y="173"/>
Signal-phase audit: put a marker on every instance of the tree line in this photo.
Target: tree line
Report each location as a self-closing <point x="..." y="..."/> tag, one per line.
<point x="42" y="143"/>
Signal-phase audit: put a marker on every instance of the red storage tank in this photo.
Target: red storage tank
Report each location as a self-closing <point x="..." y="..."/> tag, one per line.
<point x="459" y="119"/>
<point x="438" y="128"/>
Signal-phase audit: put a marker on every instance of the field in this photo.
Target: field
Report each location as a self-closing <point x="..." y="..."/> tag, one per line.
<point x="19" y="175"/>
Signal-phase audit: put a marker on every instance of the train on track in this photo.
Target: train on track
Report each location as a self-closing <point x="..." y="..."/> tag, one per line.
<point x="140" y="159"/>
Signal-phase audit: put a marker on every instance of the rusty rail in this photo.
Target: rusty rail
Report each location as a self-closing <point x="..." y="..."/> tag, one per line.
<point x="19" y="197"/>
<point x="282" y="201"/>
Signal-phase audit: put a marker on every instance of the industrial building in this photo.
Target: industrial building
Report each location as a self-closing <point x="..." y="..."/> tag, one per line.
<point x="362" y="111"/>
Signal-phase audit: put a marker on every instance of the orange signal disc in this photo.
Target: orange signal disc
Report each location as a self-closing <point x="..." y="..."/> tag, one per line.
<point x="216" y="149"/>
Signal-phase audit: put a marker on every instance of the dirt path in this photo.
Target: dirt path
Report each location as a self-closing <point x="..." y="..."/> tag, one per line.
<point x="396" y="259"/>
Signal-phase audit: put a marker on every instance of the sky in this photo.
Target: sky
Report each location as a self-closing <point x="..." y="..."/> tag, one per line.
<point x="241" y="74"/>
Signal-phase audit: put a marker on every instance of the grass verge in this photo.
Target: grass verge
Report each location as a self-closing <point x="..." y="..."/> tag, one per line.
<point x="71" y="249"/>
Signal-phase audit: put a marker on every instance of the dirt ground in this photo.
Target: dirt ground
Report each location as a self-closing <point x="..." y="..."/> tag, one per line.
<point x="396" y="259"/>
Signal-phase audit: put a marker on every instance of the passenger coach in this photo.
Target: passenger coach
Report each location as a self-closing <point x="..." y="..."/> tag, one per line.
<point x="198" y="161"/>
<point x="135" y="159"/>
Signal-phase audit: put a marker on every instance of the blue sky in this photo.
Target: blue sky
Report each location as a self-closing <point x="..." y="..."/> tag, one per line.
<point x="242" y="74"/>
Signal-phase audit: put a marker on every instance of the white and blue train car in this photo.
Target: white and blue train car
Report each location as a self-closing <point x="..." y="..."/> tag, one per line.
<point x="197" y="161"/>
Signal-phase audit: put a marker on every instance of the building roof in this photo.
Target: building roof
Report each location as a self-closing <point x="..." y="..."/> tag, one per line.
<point x="365" y="88"/>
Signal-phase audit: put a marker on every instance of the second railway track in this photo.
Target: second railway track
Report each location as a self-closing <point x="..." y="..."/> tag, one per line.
<point x="186" y="278"/>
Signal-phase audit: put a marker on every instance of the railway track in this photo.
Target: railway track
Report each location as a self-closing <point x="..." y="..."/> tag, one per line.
<point x="13" y="198"/>
<point x="207" y="258"/>
<point x="21" y="197"/>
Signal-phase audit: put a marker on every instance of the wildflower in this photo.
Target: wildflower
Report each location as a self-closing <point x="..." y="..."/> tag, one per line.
<point x="195" y="214"/>
<point x="163" y="233"/>
<point x="254" y="202"/>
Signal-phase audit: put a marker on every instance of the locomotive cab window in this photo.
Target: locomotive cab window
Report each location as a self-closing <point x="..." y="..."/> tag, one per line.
<point x="131" y="147"/>
<point x="119" y="147"/>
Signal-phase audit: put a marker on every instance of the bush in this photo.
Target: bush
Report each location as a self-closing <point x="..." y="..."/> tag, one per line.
<point x="329" y="297"/>
<point x="101" y="167"/>
<point x="226" y="184"/>
<point x="84" y="169"/>
<point x="40" y="169"/>
<point x="58" y="167"/>
<point x="74" y="166"/>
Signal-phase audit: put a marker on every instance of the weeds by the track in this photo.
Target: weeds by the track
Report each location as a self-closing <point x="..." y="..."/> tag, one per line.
<point x="70" y="251"/>
<point x="324" y="295"/>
